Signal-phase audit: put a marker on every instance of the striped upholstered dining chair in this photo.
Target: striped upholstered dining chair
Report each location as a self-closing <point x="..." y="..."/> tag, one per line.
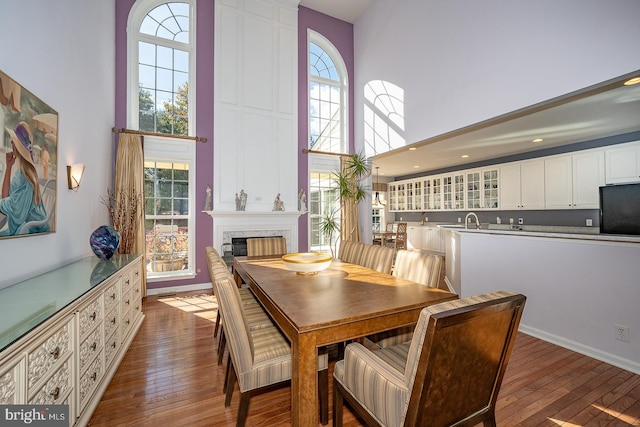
<point x="259" y="358"/>
<point x="418" y="267"/>
<point x="379" y="258"/>
<point x="448" y="374"/>
<point x="257" y="318"/>
<point x="266" y="246"/>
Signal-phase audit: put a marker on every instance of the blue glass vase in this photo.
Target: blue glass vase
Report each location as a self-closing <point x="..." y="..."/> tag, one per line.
<point x="104" y="241"/>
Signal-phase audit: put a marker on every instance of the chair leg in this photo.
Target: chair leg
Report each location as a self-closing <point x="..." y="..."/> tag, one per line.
<point x="226" y="375"/>
<point x="337" y="405"/>
<point x="490" y="421"/>
<point x="323" y="395"/>
<point x="223" y="342"/>
<point x="215" y="330"/>
<point x="243" y="409"/>
<point x="231" y="383"/>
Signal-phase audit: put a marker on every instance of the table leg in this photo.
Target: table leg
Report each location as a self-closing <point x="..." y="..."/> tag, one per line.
<point x="304" y="381"/>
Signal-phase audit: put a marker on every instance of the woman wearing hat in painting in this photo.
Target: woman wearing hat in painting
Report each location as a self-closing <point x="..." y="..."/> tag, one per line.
<point x="21" y="201"/>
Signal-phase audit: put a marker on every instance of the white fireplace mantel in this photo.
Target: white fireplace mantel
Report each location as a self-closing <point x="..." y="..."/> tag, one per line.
<point x="228" y="224"/>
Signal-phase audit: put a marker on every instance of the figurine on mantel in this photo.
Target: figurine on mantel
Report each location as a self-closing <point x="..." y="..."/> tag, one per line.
<point x="278" y="205"/>
<point x="207" y="200"/>
<point x="241" y="201"/>
<point x="302" y="201"/>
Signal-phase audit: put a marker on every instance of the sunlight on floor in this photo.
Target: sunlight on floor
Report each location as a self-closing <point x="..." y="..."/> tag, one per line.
<point x="563" y="423"/>
<point x="616" y="414"/>
<point x="204" y="306"/>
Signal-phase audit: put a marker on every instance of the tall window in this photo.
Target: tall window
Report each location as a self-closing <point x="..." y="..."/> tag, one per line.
<point x="327" y="132"/>
<point x="161" y="100"/>
<point x="162" y="50"/>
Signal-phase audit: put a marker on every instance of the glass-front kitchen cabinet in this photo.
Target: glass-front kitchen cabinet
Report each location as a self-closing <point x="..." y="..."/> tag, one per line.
<point x="465" y="190"/>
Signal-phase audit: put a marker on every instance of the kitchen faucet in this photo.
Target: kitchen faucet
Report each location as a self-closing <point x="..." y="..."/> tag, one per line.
<point x="466" y="220"/>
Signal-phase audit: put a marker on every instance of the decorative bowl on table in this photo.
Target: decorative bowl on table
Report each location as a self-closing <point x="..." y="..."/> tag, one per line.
<point x="307" y="263"/>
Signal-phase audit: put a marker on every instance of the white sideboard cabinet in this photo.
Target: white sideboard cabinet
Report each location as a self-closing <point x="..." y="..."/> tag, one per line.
<point x="64" y="333"/>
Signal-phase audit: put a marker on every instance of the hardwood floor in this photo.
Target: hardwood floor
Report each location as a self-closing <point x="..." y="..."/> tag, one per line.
<point x="170" y="377"/>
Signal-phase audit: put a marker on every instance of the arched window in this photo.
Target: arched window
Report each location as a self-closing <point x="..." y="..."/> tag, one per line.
<point x="160" y="91"/>
<point x="161" y="56"/>
<point x="327" y="97"/>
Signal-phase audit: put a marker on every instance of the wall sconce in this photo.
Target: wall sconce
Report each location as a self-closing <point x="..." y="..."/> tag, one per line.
<point x="74" y="175"/>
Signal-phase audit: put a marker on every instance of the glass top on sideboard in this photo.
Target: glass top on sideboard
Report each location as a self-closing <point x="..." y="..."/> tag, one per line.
<point x="26" y="304"/>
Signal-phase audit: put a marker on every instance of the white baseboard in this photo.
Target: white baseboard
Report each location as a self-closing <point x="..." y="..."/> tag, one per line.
<point x="609" y="358"/>
<point x="175" y="289"/>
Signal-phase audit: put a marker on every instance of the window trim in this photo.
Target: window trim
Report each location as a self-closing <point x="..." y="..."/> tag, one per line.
<point x="136" y="15"/>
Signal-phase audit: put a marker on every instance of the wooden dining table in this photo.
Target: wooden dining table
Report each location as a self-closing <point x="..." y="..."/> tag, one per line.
<point x="343" y="302"/>
<point x="383" y="236"/>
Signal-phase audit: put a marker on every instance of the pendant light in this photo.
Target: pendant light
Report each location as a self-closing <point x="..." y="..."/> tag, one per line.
<point x="377" y="201"/>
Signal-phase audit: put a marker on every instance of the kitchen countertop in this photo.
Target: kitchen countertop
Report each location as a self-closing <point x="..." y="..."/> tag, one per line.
<point x="558" y="232"/>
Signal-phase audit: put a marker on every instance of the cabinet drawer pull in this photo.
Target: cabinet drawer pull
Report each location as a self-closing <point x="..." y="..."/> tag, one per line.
<point x="113" y="295"/>
<point x="94" y="346"/>
<point x="127" y="302"/>
<point x="55" y="352"/>
<point x="113" y="344"/>
<point x="128" y="321"/>
<point x="126" y="281"/>
<point x="113" y="321"/>
<point x="55" y="393"/>
<point x="137" y="273"/>
<point x="94" y="376"/>
<point x="93" y="315"/>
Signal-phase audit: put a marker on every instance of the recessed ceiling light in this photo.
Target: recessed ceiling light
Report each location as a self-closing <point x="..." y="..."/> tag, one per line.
<point x="416" y="166"/>
<point x="412" y="148"/>
<point x="632" y="81"/>
<point x="537" y="140"/>
<point x="464" y="156"/>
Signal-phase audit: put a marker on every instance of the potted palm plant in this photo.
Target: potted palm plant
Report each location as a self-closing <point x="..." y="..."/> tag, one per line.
<point x="353" y="170"/>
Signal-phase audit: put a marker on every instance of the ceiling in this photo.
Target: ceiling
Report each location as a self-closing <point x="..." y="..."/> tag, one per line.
<point x="346" y="10"/>
<point x="599" y="111"/>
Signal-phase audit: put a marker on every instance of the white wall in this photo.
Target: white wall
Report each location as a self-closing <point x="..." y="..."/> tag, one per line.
<point x="63" y="52"/>
<point x="577" y="290"/>
<point x="461" y="62"/>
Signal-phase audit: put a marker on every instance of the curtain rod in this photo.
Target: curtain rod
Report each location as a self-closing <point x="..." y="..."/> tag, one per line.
<point x="307" y="151"/>
<point x="164" y="135"/>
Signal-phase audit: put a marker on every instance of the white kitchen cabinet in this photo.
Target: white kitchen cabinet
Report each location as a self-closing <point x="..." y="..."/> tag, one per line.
<point x="622" y="164"/>
<point x="433" y="239"/>
<point x="573" y="181"/>
<point x="425" y="238"/>
<point x="417" y="195"/>
<point x="522" y="185"/>
<point x="588" y="177"/>
<point x="414" y="237"/>
<point x="474" y="189"/>
<point x="491" y="189"/>
<point x="410" y="195"/>
<point x="458" y="191"/>
<point x="558" y="183"/>
<point x="393" y="197"/>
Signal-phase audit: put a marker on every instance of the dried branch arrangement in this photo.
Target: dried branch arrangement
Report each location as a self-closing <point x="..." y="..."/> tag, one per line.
<point x="124" y="216"/>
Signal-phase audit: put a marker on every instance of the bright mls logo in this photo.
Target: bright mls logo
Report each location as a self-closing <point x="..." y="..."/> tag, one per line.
<point x="35" y="415"/>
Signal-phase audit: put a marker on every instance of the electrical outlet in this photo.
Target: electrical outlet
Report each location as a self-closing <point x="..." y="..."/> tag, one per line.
<point x="459" y="219"/>
<point x="520" y="221"/>
<point x="589" y="222"/>
<point x="622" y="333"/>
